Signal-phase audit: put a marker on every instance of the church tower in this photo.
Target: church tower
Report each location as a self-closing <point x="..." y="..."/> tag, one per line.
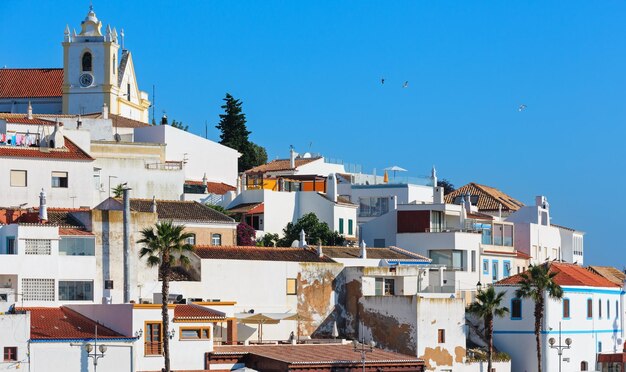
<point x="95" y="74"/>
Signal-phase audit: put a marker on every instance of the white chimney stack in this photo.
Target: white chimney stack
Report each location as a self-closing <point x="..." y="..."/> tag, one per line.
<point x="320" y="253"/>
<point x="153" y="207"/>
<point x="105" y="111"/>
<point x="433" y="175"/>
<point x="468" y="202"/>
<point x="438" y="195"/>
<point x="302" y="242"/>
<point x="43" y="209"/>
<point x="393" y="201"/>
<point x="331" y="187"/>
<point x="30" y="111"/>
<point x="363" y="249"/>
<point x="292" y="158"/>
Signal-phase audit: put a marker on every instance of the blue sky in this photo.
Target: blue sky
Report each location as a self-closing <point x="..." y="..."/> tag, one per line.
<point x="309" y="76"/>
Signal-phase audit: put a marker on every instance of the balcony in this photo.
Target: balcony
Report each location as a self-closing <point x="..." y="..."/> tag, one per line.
<point x="167" y="166"/>
<point x="153" y="348"/>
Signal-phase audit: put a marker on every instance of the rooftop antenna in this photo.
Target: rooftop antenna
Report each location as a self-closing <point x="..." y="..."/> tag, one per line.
<point x="153" y="102"/>
<point x="206" y="130"/>
<point x="122" y="36"/>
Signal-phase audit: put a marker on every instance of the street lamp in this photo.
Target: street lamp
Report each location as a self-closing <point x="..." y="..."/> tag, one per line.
<point x="560" y="347"/>
<point x="95" y="348"/>
<point x="363" y="349"/>
<point x="479" y="286"/>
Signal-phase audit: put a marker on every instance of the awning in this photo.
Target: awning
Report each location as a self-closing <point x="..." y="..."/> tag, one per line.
<point x="243" y="208"/>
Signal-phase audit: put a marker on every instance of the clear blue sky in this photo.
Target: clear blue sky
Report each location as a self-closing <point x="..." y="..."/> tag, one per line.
<point x="309" y="72"/>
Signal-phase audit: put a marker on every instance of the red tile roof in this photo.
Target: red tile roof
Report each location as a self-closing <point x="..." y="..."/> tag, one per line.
<point x="23" y="119"/>
<point x="391" y="253"/>
<point x="259" y="209"/>
<point x="67" y="232"/>
<point x="567" y="275"/>
<point x="196" y="312"/>
<point x="119" y="121"/>
<point x="30" y="82"/>
<point x="218" y="188"/>
<point x="489" y="198"/>
<point x="254" y="253"/>
<point x="330" y="354"/>
<point x="50" y="323"/>
<point x="70" y="152"/>
<point x="280" y="165"/>
<point x="611" y="273"/>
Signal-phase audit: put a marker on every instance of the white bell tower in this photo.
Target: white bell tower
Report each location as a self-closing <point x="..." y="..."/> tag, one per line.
<point x="90" y="63"/>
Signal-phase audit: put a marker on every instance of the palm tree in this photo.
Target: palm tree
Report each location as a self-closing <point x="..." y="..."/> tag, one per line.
<point x="486" y="305"/>
<point x="118" y="191"/>
<point x="164" y="247"/>
<point x="536" y="282"/>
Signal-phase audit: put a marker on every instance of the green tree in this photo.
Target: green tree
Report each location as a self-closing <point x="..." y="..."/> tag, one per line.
<point x="315" y="231"/>
<point x="234" y="134"/>
<point x="218" y="208"/>
<point x="536" y="283"/>
<point x="118" y="191"/>
<point x="164" y="246"/>
<point x="269" y="239"/>
<point x="486" y="306"/>
<point x="179" y="125"/>
<point x="448" y="187"/>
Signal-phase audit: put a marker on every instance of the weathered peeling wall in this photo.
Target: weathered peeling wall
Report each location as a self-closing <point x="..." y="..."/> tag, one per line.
<point x="317" y="298"/>
<point x="391" y="321"/>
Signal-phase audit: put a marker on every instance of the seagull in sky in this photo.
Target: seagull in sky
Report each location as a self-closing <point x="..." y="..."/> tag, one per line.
<point x="382" y="81"/>
<point x="406" y="84"/>
<point x="521" y="108"/>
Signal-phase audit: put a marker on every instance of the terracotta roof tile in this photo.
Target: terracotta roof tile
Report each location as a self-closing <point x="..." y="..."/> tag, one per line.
<point x="218" y="188"/>
<point x="391" y="253"/>
<point x="280" y="165"/>
<point x="48" y="323"/>
<point x="196" y="312"/>
<point x="611" y="273"/>
<point x="23" y="119"/>
<point x="333" y="354"/>
<point x="70" y="152"/>
<point x="119" y="121"/>
<point x="31" y="82"/>
<point x="260" y="253"/>
<point x="68" y="232"/>
<point x="177" y="210"/>
<point x="567" y="275"/>
<point x="489" y="198"/>
<point x="243" y="207"/>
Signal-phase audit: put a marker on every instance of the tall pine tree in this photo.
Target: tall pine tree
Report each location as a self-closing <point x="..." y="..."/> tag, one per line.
<point x="235" y="135"/>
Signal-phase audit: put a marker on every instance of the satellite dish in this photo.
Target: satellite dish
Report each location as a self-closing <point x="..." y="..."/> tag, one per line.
<point x="306" y="155"/>
<point x="295" y="244"/>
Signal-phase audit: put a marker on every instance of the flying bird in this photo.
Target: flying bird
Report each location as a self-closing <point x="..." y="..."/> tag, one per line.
<point x="382" y="81"/>
<point x="406" y="84"/>
<point x="521" y="108"/>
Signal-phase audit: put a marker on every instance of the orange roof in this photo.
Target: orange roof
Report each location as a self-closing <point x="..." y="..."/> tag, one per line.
<point x="66" y="232"/>
<point x="260" y="208"/>
<point x="218" y="188"/>
<point x="196" y="312"/>
<point x="23" y="119"/>
<point x="489" y="198"/>
<point x="253" y="253"/>
<point x="280" y="165"/>
<point x="70" y="152"/>
<point x="119" y="121"/>
<point x="611" y="273"/>
<point x="567" y="275"/>
<point x="49" y="323"/>
<point x="31" y="82"/>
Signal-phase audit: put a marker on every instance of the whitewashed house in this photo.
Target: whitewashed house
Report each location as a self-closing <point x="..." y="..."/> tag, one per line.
<point x="591" y="314"/>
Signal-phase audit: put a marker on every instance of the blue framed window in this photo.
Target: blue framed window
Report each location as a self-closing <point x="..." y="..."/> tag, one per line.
<point x="350" y="227"/>
<point x="506" y="269"/>
<point x="485" y="267"/>
<point x="494" y="269"/>
<point x="599" y="346"/>
<point x="566" y="309"/>
<point x="516" y="309"/>
<point x="341" y="226"/>
<point x="599" y="309"/>
<point x="589" y="308"/>
<point x="10" y="246"/>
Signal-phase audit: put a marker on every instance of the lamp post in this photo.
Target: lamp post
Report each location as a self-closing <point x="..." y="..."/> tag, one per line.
<point x="363" y="349"/>
<point x="95" y="348"/>
<point x="560" y="347"/>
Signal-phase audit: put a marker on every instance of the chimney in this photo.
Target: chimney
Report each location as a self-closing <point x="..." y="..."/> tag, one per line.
<point x="363" y="249"/>
<point x="303" y="243"/>
<point x="292" y="158"/>
<point x="30" y="111"/>
<point x="542" y="201"/>
<point x="204" y="179"/>
<point x="433" y="176"/>
<point x="468" y="202"/>
<point x="438" y="195"/>
<point x="43" y="209"/>
<point x="331" y="187"/>
<point x="164" y="120"/>
<point x="105" y="111"/>
<point x="320" y="253"/>
<point x="153" y="207"/>
<point x="126" y="219"/>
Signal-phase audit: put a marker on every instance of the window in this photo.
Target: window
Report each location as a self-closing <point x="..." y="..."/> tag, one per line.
<point x="441" y="336"/>
<point x="452" y="259"/>
<point x="10" y="354"/>
<point x="589" y="309"/>
<point x="341" y="226"/>
<point x="254" y="220"/>
<point x="216" y="239"/>
<point x="128" y="91"/>
<point x="507" y="269"/>
<point x="86" y="61"/>
<point x="154" y="338"/>
<point x="390" y="287"/>
<point x="9" y="247"/>
<point x="77" y="246"/>
<point x="566" y="308"/>
<point x="19" y="178"/>
<point x="516" y="309"/>
<point x="292" y="286"/>
<point x="608" y="310"/>
<point x="108" y="284"/>
<point x="350" y="227"/>
<point x="38" y="289"/>
<point x="473" y="261"/>
<point x="599" y="309"/>
<point x="195" y="333"/>
<point x="38" y="246"/>
<point x="485" y="267"/>
<point x="494" y="271"/>
<point x="616" y="308"/>
<point x="76" y="290"/>
<point x="583" y="366"/>
<point x="373" y="207"/>
<point x="59" y="179"/>
<point x="599" y="346"/>
<point x="191" y="240"/>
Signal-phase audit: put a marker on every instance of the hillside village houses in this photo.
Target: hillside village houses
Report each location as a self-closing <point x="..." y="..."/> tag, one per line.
<point x="413" y="261"/>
